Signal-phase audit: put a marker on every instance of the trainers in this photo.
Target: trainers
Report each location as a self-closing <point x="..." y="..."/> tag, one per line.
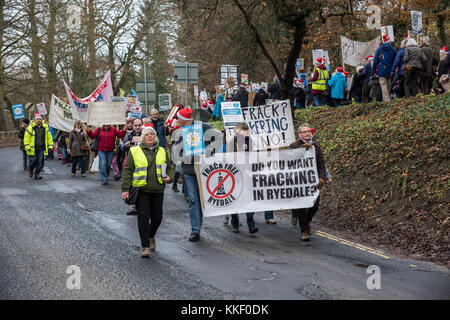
<point x="253" y="230"/>
<point x="226" y="220"/>
<point x="73" y="174"/>
<point x="104" y="183"/>
<point x="117" y="178"/>
<point x="271" y="221"/>
<point x="83" y="174"/>
<point x="175" y="189"/>
<point x="30" y="173"/>
<point x="152" y="244"/>
<point x="308" y="230"/>
<point x="37" y="177"/>
<point x="145" y="252"/>
<point x="305" y="236"/>
<point x="236" y="229"/>
<point x="194" y="237"/>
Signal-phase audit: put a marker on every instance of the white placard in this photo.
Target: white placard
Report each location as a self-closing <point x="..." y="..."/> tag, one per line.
<point x="104" y="113"/>
<point x="41" y="108"/>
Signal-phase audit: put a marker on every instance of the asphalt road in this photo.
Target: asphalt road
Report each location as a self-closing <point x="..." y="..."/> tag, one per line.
<point x="48" y="225"/>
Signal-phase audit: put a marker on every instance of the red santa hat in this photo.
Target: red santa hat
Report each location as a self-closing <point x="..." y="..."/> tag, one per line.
<point x="386" y="38"/>
<point x="242" y="85"/>
<point x="318" y="60"/>
<point x="370" y="58"/>
<point x="312" y="130"/>
<point x="346" y="73"/>
<point x="148" y="127"/>
<point x="444" y="49"/>
<point x="185" y="114"/>
<point x="37" y="116"/>
<point x="339" y="69"/>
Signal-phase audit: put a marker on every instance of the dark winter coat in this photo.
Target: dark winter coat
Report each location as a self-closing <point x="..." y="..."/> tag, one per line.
<point x="21" y="136"/>
<point x="260" y="98"/>
<point x="383" y="60"/>
<point x="447" y="63"/>
<point x="414" y="57"/>
<point x="242" y="97"/>
<point x="357" y="84"/>
<point x="399" y="62"/>
<point x="426" y="72"/>
<point x="76" y="140"/>
<point x="129" y="137"/>
<point x="320" y="160"/>
<point x="161" y="131"/>
<point x="367" y="73"/>
<point x="300" y="98"/>
<point x="275" y="90"/>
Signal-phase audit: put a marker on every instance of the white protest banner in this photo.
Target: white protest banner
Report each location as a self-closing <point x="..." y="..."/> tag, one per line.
<point x="238" y="182"/>
<point x="271" y="125"/>
<point x="318" y="53"/>
<point x="389" y="30"/>
<point x="103" y="113"/>
<point x="61" y="115"/>
<point x="41" y="108"/>
<point x="195" y="91"/>
<point x="354" y="52"/>
<point x="104" y="92"/>
<point x="416" y="22"/>
<point x="165" y="101"/>
<point x="231" y="115"/>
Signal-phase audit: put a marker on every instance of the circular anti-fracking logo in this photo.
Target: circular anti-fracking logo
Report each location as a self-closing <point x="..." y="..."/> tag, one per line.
<point x="223" y="184"/>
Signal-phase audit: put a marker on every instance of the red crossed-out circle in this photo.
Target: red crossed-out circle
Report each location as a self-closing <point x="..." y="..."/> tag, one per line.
<point x="213" y="192"/>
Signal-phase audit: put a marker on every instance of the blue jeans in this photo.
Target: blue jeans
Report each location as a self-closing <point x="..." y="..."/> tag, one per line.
<point x="250" y="220"/>
<point x="319" y="99"/>
<point x="268" y="215"/>
<point x="80" y="161"/>
<point x="195" y="207"/>
<point x="64" y="152"/>
<point x="105" y="160"/>
<point x="36" y="162"/>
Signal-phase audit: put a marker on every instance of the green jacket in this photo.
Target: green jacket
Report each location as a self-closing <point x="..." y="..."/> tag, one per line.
<point x="153" y="186"/>
<point x="29" y="139"/>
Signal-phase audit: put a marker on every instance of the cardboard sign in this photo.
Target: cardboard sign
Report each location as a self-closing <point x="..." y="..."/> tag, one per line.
<point x="193" y="140"/>
<point x="41" y="108"/>
<point x="104" y="113"/>
<point x="17" y="111"/>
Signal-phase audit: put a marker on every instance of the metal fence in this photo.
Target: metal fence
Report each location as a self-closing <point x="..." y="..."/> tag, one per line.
<point x="9" y="135"/>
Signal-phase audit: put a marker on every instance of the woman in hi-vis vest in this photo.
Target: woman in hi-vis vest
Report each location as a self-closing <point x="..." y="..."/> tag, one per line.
<point x="149" y="168"/>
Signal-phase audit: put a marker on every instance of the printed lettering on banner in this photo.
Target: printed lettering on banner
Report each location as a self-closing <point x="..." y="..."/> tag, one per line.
<point x="231" y="115"/>
<point x="61" y="115"/>
<point x="286" y="181"/>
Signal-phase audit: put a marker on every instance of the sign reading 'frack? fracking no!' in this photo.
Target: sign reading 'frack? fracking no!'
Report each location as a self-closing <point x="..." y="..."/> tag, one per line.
<point x="271" y="125"/>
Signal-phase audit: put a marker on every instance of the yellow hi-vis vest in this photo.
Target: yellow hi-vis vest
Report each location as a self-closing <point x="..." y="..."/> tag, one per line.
<point x="321" y="82"/>
<point x="141" y="165"/>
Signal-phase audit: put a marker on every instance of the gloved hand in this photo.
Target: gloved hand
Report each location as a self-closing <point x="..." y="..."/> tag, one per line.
<point x="320" y="184"/>
<point x="68" y="151"/>
<point x="307" y="145"/>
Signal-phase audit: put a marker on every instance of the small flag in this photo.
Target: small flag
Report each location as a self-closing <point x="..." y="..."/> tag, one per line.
<point x="121" y="92"/>
<point x="133" y="92"/>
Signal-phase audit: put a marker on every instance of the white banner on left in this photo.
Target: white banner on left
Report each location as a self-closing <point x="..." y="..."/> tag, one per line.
<point x="61" y="115"/>
<point x="239" y="182"/>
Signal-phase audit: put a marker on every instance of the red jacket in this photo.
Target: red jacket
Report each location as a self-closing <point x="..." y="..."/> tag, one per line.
<point x="107" y="139"/>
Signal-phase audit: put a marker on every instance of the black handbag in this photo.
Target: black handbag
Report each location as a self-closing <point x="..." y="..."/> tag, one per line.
<point x="94" y="144"/>
<point x="132" y="195"/>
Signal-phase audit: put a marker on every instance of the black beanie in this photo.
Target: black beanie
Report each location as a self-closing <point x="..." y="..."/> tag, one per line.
<point x="27" y="121"/>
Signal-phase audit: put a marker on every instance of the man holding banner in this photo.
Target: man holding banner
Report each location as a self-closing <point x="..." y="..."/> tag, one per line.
<point x="305" y="215"/>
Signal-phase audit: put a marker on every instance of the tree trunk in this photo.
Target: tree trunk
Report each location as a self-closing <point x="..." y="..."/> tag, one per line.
<point x="91" y="44"/>
<point x="2" y="77"/>
<point x="49" y="48"/>
<point x="35" y="49"/>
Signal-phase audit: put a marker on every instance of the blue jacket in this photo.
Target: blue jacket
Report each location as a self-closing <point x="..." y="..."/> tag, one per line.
<point x="398" y="62"/>
<point x="218" y="107"/>
<point x="367" y="73"/>
<point x="337" y="83"/>
<point x="447" y="63"/>
<point x="383" y="60"/>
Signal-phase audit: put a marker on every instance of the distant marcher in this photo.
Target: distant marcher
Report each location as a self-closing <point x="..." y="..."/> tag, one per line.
<point x="426" y="74"/>
<point x="397" y="74"/>
<point x="366" y="74"/>
<point x="144" y="169"/>
<point x="274" y="89"/>
<point x="299" y="97"/>
<point x="23" y="128"/>
<point x="242" y="96"/>
<point x="305" y="215"/>
<point x="38" y="142"/>
<point x="414" y="62"/>
<point x="107" y="135"/>
<point x="217" y="113"/>
<point x="78" y="148"/>
<point x="357" y="84"/>
<point x="375" y="88"/>
<point x="441" y="69"/>
<point x="337" y="83"/>
<point x="260" y="97"/>
<point x="319" y="82"/>
<point x="383" y="61"/>
<point x="162" y="129"/>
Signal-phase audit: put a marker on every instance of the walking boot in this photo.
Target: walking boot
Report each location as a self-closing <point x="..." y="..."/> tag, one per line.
<point x="152" y="244"/>
<point x="145" y="252"/>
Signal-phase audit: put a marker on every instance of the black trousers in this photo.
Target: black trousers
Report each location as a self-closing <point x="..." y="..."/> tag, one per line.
<point x="149" y="207"/>
<point x="25" y="159"/>
<point x="305" y="215"/>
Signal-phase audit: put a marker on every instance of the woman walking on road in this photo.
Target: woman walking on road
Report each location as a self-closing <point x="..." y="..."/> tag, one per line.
<point x="78" y="148"/>
<point x="145" y="169"/>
